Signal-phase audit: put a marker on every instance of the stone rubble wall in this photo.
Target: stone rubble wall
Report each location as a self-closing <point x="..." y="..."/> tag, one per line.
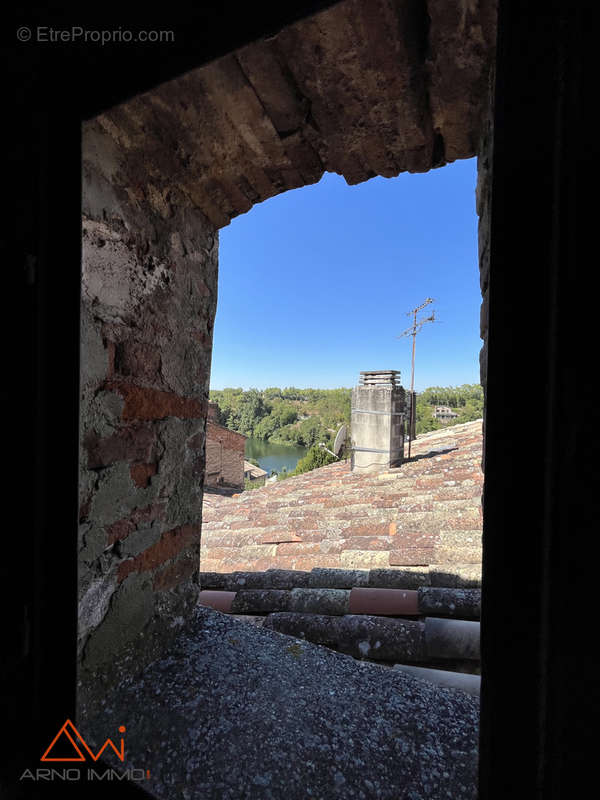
<point x="149" y="285"/>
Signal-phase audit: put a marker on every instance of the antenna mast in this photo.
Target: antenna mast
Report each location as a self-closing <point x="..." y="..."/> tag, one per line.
<point x="412" y="331"/>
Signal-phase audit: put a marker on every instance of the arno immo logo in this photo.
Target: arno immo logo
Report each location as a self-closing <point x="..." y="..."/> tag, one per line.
<point x="79" y="746"/>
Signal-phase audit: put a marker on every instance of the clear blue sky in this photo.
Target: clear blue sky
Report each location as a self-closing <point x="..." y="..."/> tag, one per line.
<point x="314" y="284"/>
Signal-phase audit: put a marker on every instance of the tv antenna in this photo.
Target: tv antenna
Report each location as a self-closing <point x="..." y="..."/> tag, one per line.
<point x="412" y="331"/>
<point x="340" y="438"/>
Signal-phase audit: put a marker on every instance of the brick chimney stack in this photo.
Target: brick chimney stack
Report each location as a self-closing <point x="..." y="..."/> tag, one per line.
<point x="377" y="421"/>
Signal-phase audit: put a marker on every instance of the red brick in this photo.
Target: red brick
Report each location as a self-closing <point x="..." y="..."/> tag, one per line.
<point x="123" y="527"/>
<point x="150" y="404"/>
<point x="170" y="543"/>
<point x="141" y="473"/>
<point x="175" y="573"/>
<point x="135" y="443"/>
<point x="111" y="348"/>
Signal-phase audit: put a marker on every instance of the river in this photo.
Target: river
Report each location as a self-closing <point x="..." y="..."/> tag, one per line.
<point x="274" y="456"/>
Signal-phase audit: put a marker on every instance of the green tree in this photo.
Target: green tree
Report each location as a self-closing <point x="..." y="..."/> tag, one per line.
<point x="315" y="458"/>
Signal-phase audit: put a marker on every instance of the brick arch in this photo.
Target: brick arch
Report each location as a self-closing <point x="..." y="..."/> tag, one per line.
<point x="361" y="89"/>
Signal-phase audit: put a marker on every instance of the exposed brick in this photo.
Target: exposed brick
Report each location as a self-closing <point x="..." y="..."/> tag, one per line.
<point x="111" y="349"/>
<point x="170" y="543"/>
<point x="141" y="516"/>
<point x="151" y="404"/>
<point x="135" y="443"/>
<point x="175" y="573"/>
<point x="141" y="473"/>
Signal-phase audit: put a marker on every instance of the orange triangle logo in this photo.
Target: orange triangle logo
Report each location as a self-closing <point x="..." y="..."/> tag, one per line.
<point x="66" y="731"/>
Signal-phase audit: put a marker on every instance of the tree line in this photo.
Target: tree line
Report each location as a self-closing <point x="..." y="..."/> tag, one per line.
<point x="306" y="417"/>
<point x="465" y="400"/>
<point x="291" y="416"/>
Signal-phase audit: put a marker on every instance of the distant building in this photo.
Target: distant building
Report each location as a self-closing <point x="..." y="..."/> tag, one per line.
<point x="225" y="451"/>
<point x="254" y="473"/>
<point x="444" y="413"/>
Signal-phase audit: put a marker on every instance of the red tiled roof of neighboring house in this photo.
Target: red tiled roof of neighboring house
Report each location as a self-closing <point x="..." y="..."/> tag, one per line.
<point x="255" y="472"/>
<point x="426" y="513"/>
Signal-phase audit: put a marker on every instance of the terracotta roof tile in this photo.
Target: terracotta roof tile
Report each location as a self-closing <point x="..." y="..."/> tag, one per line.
<point x="426" y="513"/>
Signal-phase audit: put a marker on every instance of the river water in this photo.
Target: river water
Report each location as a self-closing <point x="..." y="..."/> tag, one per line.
<point x="274" y="456"/>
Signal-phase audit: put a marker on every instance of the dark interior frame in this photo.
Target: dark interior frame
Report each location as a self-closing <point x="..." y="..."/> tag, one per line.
<point x="533" y="689"/>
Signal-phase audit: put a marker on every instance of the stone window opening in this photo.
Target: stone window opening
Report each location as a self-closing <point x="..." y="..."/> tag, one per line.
<point x="153" y="204"/>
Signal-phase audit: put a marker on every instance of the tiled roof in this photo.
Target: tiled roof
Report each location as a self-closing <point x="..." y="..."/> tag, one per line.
<point x="424" y="514"/>
<point x="213" y="428"/>
<point x="255" y="471"/>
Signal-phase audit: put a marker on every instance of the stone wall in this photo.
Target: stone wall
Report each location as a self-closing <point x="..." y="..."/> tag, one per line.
<point x="224" y="456"/>
<point x="149" y="281"/>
